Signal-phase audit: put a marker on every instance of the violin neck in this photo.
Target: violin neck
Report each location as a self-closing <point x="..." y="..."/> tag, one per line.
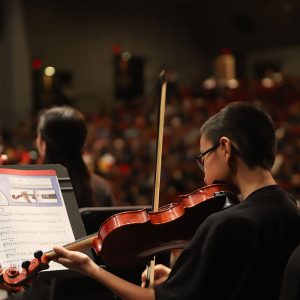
<point x="78" y="245"/>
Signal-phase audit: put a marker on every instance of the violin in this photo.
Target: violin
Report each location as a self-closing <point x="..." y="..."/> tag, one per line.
<point x="170" y="227"/>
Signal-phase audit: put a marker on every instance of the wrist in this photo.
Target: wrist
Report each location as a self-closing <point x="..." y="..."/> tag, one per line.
<point x="92" y="269"/>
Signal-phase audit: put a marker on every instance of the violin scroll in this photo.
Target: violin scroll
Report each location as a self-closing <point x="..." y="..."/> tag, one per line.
<point x="13" y="280"/>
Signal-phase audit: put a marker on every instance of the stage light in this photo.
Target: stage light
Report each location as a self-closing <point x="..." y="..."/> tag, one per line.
<point x="36" y="64"/>
<point x="4" y="157"/>
<point x="49" y="71"/>
<point x="232" y="83"/>
<point x="209" y="83"/>
<point x="116" y="49"/>
<point x="267" y="82"/>
<point x="126" y="56"/>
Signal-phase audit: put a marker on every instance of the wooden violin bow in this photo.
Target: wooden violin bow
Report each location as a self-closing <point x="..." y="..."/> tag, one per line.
<point x="155" y="200"/>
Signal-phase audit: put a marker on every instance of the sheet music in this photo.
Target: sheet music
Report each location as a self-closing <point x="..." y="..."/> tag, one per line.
<point x="33" y="215"/>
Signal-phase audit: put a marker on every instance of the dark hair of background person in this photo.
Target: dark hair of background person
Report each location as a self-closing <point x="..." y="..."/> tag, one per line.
<point x="64" y="131"/>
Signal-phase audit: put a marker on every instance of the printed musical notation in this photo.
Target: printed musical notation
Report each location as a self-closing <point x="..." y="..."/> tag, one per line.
<point x="33" y="218"/>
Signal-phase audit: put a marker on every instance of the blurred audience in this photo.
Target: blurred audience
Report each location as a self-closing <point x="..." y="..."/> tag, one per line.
<point x="121" y="145"/>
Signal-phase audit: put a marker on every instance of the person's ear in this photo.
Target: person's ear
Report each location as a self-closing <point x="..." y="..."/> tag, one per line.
<point x="41" y="146"/>
<point x="225" y="145"/>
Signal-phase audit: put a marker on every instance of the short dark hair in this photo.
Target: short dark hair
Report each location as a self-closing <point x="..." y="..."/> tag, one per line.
<point x="251" y="130"/>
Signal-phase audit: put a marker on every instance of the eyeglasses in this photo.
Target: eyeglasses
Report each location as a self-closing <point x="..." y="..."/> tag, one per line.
<point x="199" y="157"/>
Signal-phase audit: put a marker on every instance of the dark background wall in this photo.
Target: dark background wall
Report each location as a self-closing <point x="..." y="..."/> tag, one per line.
<point x="81" y="39"/>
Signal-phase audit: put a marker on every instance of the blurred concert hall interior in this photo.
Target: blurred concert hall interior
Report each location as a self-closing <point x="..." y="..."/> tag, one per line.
<point x="104" y="58"/>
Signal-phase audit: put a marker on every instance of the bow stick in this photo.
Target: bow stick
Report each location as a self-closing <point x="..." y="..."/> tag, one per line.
<point x="155" y="200"/>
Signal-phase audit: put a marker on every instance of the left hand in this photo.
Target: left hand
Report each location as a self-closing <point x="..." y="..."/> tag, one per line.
<point x="74" y="260"/>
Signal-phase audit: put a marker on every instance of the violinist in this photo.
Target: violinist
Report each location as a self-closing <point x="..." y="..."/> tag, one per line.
<point x="239" y="253"/>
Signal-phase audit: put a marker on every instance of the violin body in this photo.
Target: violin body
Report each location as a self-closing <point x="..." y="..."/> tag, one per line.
<point x="131" y="238"/>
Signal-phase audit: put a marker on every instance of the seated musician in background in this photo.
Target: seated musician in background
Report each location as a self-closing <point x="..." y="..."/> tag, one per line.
<point x="61" y="134"/>
<point x="237" y="253"/>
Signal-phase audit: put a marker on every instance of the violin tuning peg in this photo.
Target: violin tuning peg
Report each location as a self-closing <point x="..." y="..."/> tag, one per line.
<point x="25" y="264"/>
<point x="12" y="272"/>
<point x="38" y="254"/>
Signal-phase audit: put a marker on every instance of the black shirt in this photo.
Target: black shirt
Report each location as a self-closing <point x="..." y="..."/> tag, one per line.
<point x="102" y="191"/>
<point x="239" y="253"/>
